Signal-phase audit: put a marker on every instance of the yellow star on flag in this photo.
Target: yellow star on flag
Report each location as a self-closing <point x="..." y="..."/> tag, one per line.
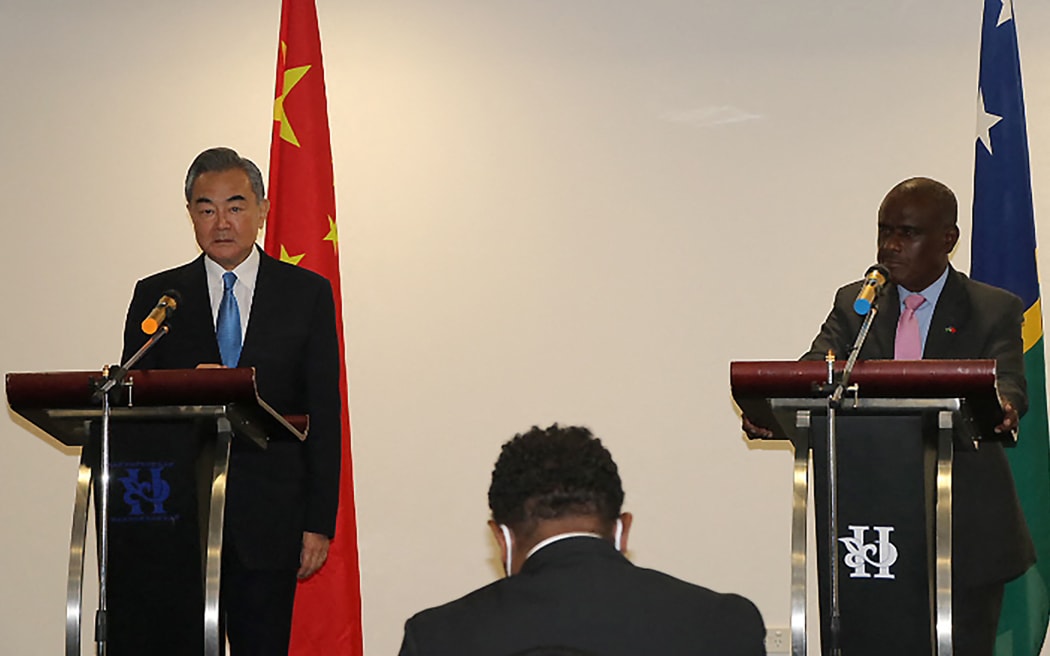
<point x="290" y="259"/>
<point x="291" y="78"/>
<point x="333" y="235"/>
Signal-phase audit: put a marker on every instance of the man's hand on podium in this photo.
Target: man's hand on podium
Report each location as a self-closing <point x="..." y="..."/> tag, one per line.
<point x="1010" y="418"/>
<point x="753" y="431"/>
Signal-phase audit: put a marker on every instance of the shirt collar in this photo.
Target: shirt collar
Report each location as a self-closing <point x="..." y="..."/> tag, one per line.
<point x="247" y="271"/>
<point x="931" y="293"/>
<point x="558" y="538"/>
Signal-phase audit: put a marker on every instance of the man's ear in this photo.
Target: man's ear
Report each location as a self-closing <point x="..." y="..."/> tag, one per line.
<point x="626" y="519"/>
<point x="501" y="540"/>
<point x="264" y="206"/>
<point x="951" y="238"/>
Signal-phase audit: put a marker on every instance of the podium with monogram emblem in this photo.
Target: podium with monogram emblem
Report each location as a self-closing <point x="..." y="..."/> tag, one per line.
<point x="171" y="435"/>
<point x="885" y="579"/>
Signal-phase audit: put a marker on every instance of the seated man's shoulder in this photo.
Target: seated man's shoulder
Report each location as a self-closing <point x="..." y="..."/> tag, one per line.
<point x="712" y="601"/>
<point x="478" y="596"/>
<point x="681" y="611"/>
<point x="456" y="619"/>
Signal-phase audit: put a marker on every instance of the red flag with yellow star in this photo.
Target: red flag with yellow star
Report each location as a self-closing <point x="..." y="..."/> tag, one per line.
<point x="301" y="229"/>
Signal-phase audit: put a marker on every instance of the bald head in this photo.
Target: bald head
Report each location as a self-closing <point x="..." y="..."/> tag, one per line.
<point x="917" y="232"/>
<point x="936" y="196"/>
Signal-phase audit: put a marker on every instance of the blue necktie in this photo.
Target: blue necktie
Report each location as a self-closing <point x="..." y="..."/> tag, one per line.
<point x="228" y="325"/>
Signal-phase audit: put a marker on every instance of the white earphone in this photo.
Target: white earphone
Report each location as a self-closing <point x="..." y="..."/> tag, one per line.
<point x="510" y="543"/>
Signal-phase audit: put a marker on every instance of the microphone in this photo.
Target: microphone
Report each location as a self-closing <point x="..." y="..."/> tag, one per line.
<point x="166" y="306"/>
<point x="874" y="280"/>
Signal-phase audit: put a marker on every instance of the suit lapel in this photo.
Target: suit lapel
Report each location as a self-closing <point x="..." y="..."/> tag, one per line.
<point x="262" y="314"/>
<point x="949" y="317"/>
<point x="198" y="313"/>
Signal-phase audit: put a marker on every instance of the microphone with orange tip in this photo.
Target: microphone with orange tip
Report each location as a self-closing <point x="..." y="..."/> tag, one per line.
<point x="166" y="306"/>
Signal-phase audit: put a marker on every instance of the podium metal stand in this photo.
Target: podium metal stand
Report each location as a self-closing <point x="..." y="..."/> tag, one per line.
<point x="61" y="405"/>
<point x="958" y="405"/>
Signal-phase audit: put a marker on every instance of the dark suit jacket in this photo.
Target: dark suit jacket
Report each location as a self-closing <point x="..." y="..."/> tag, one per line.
<point x="273" y="495"/>
<point x="582" y="593"/>
<point x="990" y="540"/>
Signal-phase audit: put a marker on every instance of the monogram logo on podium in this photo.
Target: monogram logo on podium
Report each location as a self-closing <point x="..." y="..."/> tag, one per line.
<point x="145" y="491"/>
<point x="880" y="554"/>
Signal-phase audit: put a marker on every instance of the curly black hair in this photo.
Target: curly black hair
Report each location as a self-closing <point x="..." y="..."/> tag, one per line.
<point x="551" y="473"/>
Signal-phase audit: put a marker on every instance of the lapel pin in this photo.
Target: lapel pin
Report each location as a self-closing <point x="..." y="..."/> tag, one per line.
<point x="951" y="330"/>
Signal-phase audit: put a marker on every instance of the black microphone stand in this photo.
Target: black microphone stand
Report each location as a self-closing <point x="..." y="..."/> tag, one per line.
<point x="112" y="377"/>
<point x="834" y="402"/>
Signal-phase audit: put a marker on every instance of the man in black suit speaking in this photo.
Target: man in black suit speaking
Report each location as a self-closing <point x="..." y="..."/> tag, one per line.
<point x="241" y="307"/>
<point x="951" y="317"/>
<point x="555" y="499"/>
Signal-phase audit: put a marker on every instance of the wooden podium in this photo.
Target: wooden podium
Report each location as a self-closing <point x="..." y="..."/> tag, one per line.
<point x="900" y="423"/>
<point x="61" y="404"/>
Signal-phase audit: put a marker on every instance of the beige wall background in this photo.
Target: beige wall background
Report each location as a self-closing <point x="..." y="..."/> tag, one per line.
<point x="549" y="211"/>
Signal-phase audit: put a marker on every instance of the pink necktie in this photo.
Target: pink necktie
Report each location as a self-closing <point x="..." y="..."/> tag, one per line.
<point x="908" y="345"/>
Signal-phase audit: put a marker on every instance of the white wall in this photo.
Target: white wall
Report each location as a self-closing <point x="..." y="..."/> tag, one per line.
<point x="550" y="211"/>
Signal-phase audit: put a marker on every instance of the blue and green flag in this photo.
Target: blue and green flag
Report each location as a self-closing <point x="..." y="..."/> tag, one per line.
<point x="1004" y="254"/>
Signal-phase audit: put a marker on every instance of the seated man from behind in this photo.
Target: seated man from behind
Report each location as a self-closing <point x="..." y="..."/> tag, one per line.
<point x="555" y="498"/>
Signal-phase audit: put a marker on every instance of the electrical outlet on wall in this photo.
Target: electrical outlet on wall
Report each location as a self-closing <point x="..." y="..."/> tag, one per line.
<point x="778" y="641"/>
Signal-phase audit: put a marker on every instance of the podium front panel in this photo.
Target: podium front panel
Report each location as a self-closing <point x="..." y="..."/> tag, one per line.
<point x="155" y="591"/>
<point x="883" y="539"/>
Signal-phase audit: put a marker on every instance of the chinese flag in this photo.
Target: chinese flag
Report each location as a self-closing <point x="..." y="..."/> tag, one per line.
<point x="301" y="229"/>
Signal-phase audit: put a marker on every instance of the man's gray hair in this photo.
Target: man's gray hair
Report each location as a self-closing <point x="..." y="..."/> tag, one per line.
<point x="225" y="159"/>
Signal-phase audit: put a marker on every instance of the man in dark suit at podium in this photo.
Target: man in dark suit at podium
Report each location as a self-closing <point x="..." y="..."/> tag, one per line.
<point x="929" y="310"/>
<point x="555" y="499"/>
<point x="241" y="307"/>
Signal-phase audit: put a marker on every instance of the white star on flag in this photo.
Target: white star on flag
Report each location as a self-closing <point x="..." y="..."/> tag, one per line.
<point x="1006" y="13"/>
<point x="985" y="122"/>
